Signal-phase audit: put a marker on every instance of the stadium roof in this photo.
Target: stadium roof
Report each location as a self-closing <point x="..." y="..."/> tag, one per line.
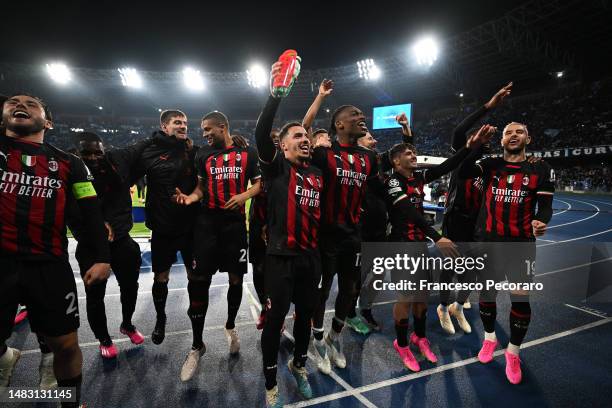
<point x="527" y="44"/>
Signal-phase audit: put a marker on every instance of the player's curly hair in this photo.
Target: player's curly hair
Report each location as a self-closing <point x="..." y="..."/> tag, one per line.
<point x="400" y="148"/>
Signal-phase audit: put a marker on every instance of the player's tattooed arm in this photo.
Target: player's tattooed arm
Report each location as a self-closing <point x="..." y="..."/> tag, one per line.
<point x="325" y="89"/>
<point x="239" y="200"/>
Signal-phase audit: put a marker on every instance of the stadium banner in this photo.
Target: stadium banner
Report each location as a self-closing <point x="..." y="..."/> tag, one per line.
<point x="571" y="152"/>
<point x="568" y="272"/>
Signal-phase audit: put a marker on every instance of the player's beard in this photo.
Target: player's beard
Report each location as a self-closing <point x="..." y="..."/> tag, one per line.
<point x="36" y="126"/>
<point x="218" y="142"/>
<point x="515" y="150"/>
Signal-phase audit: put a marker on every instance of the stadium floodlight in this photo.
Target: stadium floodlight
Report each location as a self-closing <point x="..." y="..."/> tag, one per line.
<point x="256" y="76"/>
<point x="193" y="79"/>
<point x="159" y="109"/>
<point x="461" y="94"/>
<point x="59" y="73"/>
<point x="560" y="74"/>
<point x="130" y="77"/>
<point x="425" y="51"/>
<point x="100" y="107"/>
<point x="368" y="70"/>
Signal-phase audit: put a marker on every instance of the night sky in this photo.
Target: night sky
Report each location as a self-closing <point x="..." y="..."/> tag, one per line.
<point x="227" y="35"/>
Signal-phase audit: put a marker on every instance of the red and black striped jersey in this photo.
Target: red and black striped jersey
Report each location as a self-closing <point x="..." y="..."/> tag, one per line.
<point x="294" y="206"/>
<point x="398" y="187"/>
<point x="347" y="170"/>
<point x="464" y="195"/>
<point x="36" y="181"/>
<point x="510" y="198"/>
<point x="225" y="173"/>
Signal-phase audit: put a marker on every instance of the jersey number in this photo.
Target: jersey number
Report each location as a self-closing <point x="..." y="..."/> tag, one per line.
<point x="243" y="255"/>
<point x="72" y="306"/>
<point x="530" y="267"/>
<point x="358" y="259"/>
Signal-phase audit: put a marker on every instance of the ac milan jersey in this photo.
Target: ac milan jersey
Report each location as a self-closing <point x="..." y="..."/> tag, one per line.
<point x="36" y="181"/>
<point x="225" y="173"/>
<point x="464" y="195"/>
<point x="398" y="188"/>
<point x="347" y="170"/>
<point x="294" y="206"/>
<point x="510" y="197"/>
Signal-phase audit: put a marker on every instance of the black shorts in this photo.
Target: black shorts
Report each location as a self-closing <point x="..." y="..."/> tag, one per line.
<point x="164" y="248"/>
<point x="511" y="261"/>
<point x="257" y="246"/>
<point x="125" y="258"/>
<point x="458" y="227"/>
<point x="47" y="288"/>
<point x="294" y="279"/>
<point x="341" y="252"/>
<point x="220" y="244"/>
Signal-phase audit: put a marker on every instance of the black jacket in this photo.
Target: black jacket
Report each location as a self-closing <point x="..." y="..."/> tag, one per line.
<point x="115" y="202"/>
<point x="168" y="164"/>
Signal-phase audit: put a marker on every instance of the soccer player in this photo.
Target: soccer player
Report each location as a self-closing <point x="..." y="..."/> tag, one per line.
<point x="460" y="213"/>
<point x="116" y="202"/>
<point x="512" y="188"/>
<point x="347" y="169"/>
<point x="325" y="90"/>
<point x="374" y="229"/>
<point x="36" y="180"/>
<point x="220" y="239"/>
<point x="293" y="268"/>
<point x="404" y="190"/>
<point x="167" y="160"/>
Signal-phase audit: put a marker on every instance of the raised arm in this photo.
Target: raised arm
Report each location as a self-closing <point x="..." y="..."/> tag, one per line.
<point x="265" y="145"/>
<point x="402" y="120"/>
<point x="407" y="137"/>
<point x="325" y="89"/>
<point x="460" y="133"/>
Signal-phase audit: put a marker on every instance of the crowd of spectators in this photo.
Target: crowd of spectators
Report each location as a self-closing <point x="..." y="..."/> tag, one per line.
<point x="568" y="117"/>
<point x="593" y="179"/>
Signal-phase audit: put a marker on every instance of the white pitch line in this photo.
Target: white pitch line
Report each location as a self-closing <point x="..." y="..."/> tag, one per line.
<point x="600" y="202"/>
<point x="580" y="220"/>
<point x="126" y="339"/>
<point x="446" y="367"/>
<point x="573" y="267"/>
<point x="586" y="311"/>
<point x="144" y="292"/>
<point x="575" y="239"/>
<point x="569" y="207"/>
<point x="255" y="305"/>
